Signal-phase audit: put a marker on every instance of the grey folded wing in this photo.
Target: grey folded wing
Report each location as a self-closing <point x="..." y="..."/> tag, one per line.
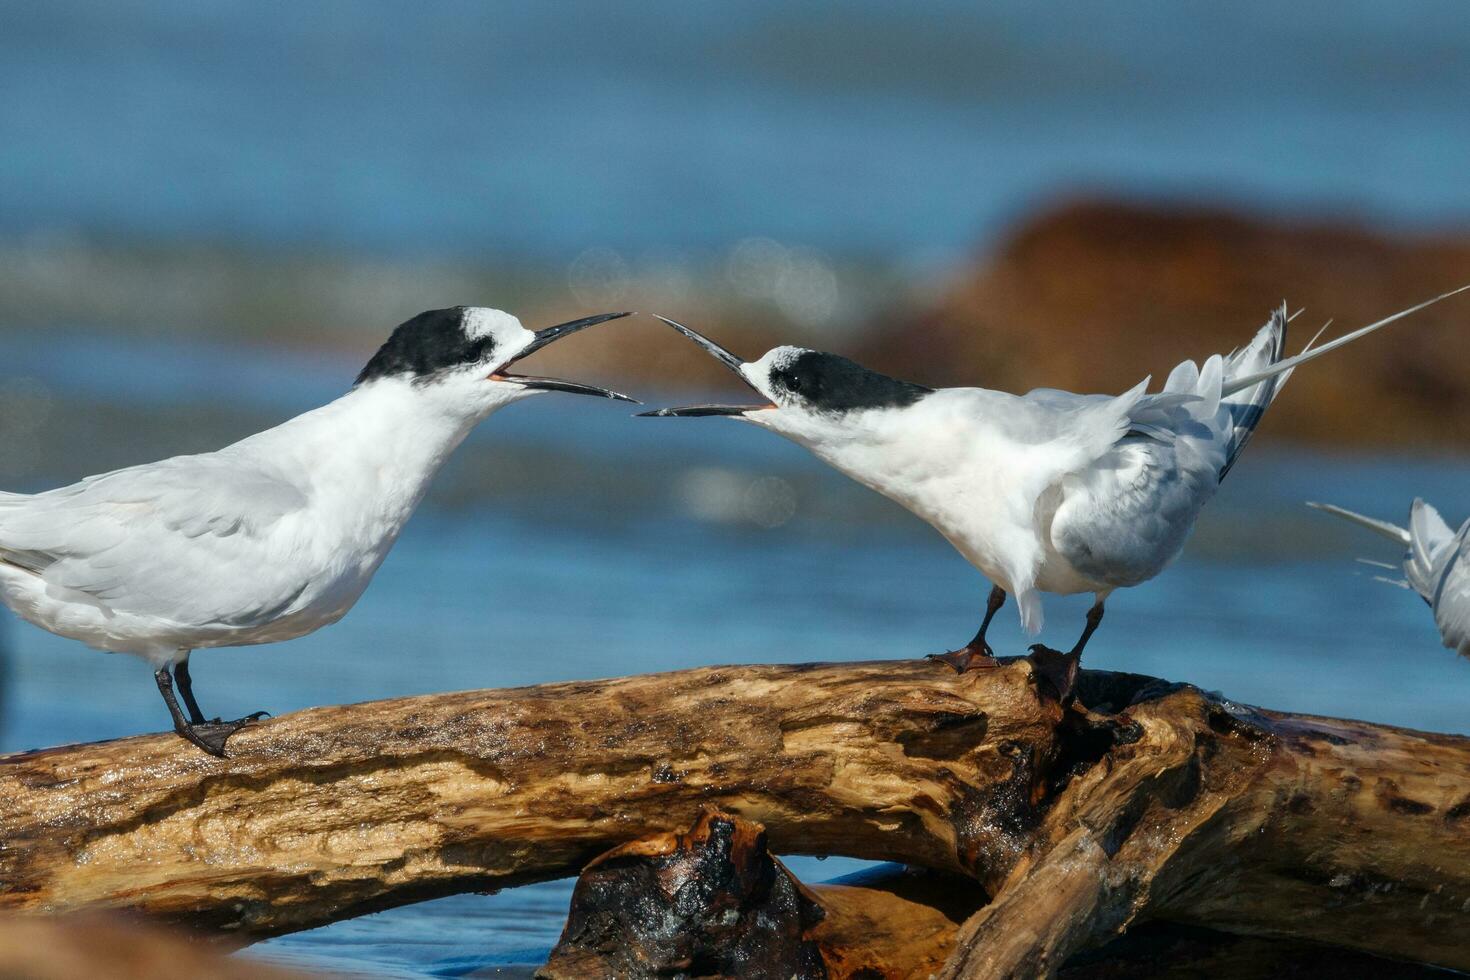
<point x="1450" y="598"/>
<point x="195" y="540"/>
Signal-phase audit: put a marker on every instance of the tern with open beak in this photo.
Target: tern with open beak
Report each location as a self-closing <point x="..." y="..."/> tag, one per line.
<point x="1044" y="492"/>
<point x="277" y="535"/>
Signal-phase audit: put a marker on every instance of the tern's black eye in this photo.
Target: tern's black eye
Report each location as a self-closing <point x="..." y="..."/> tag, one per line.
<point x="803" y="375"/>
<point x="477" y="350"/>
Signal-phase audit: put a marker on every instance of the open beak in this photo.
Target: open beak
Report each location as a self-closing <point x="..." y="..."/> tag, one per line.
<point x="724" y="357"/>
<point x="544" y="337"/>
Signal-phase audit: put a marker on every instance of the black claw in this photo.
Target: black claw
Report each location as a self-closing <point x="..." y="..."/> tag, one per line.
<point x="212" y="736"/>
<point x="976" y="654"/>
<point x="952" y="658"/>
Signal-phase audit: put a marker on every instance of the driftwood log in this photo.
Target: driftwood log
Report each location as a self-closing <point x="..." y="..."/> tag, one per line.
<point x="715" y="902"/>
<point x="1075" y="819"/>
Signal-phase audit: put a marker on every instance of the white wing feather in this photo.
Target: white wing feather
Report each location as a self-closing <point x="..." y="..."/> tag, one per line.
<point x="1451" y="595"/>
<point x="1391" y="531"/>
<point x="185" y="539"/>
<point x="1124" y="515"/>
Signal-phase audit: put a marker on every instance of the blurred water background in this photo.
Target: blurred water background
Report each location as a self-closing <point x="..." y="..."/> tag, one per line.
<point x="210" y="214"/>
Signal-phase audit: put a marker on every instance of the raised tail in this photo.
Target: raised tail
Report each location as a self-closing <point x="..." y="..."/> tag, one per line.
<point x="1246" y="405"/>
<point x="1234" y="383"/>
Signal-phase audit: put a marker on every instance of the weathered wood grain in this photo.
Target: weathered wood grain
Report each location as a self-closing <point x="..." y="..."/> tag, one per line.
<point x="1139" y="801"/>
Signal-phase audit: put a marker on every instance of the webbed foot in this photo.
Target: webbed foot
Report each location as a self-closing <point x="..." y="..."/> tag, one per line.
<point x="1056" y="670"/>
<point x="211" y="736"/>
<point x="967" y="658"/>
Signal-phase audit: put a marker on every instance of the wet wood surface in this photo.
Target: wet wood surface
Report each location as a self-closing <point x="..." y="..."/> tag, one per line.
<point x="1139" y="801"/>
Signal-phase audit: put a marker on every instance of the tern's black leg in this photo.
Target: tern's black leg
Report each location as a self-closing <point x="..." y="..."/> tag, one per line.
<point x="209" y="736"/>
<point x="1094" y="618"/>
<point x="186" y="691"/>
<point x="977" y="652"/>
<point x="1060" y="669"/>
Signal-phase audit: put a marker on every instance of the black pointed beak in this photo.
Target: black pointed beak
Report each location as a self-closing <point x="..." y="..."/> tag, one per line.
<point x="715" y="350"/>
<point x="724" y="357"/>
<point x="694" y="411"/>
<point x="556" y="384"/>
<point x="544" y="337"/>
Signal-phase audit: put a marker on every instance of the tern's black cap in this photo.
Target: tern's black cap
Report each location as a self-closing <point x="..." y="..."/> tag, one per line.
<point x="430" y="342"/>
<point x="831" y="383"/>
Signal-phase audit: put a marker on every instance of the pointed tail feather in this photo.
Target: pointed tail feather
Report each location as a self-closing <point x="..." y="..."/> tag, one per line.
<point x="1235" y="384"/>
<point x="1391" y="531"/>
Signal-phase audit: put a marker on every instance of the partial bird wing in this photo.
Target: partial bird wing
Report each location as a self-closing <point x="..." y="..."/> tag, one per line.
<point x="1216" y="406"/>
<point x="1436" y="565"/>
<point x="1430" y="541"/>
<point x="1090" y="424"/>
<point x="1222" y="417"/>
<point x="1450" y="598"/>
<point x="190" y="540"/>
<point x="1148" y="463"/>
<point x="1036" y="440"/>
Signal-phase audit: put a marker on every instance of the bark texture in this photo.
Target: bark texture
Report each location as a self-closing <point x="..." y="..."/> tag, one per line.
<point x="1136" y="801"/>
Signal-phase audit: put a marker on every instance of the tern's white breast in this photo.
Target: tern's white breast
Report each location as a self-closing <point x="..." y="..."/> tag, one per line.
<point x="268" y="539"/>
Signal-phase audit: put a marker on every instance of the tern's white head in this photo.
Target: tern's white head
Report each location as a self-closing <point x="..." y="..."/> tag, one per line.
<point x="808" y="395"/>
<point x="460" y="356"/>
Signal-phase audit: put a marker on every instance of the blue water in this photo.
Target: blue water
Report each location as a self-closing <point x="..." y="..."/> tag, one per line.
<point x="532" y="127"/>
<point x="655" y="555"/>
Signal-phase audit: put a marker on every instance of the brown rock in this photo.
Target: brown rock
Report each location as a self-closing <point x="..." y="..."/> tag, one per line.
<point x="714" y="902"/>
<point x="709" y="903"/>
<point x="1093" y="295"/>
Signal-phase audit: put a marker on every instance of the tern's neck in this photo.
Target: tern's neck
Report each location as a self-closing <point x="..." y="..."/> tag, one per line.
<point x="377" y="447"/>
<point x="875" y="447"/>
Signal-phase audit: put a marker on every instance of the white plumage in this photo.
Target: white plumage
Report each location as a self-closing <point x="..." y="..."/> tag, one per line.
<point x="1051" y="491"/>
<point x="267" y="539"/>
<point x="1048" y="491"/>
